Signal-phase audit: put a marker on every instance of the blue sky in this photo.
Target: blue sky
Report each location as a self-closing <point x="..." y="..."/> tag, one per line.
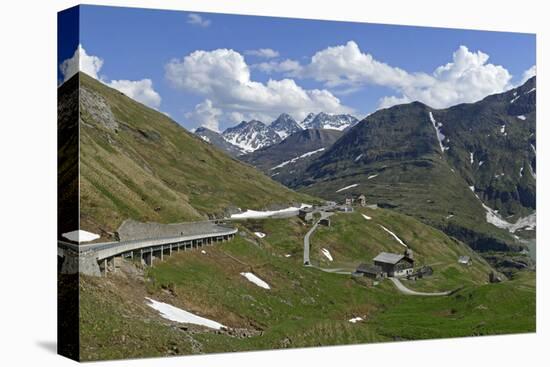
<point x="358" y="67"/>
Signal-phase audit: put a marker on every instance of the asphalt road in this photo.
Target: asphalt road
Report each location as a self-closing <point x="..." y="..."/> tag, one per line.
<point x="410" y="292"/>
<point x="307" y="260"/>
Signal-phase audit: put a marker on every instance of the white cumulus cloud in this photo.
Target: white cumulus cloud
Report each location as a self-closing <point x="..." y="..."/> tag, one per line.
<point x="198" y="20"/>
<point x="346" y="65"/>
<point x="285" y="66"/>
<point x="389" y="101"/>
<point x="205" y="114"/>
<point x="81" y="61"/>
<point x="528" y="74"/>
<point x="267" y="53"/>
<point x="467" y="78"/>
<point x="223" y="78"/>
<point x="139" y="90"/>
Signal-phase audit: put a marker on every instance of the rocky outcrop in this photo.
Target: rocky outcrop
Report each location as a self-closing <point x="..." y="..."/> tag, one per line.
<point x="95" y="105"/>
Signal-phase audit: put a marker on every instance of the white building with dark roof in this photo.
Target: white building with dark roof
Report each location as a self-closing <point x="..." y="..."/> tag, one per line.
<point x="394" y="265"/>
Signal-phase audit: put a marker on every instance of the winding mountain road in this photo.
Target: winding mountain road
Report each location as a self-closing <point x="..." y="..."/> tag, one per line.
<point x="410" y="292"/>
<point x="307" y="260"/>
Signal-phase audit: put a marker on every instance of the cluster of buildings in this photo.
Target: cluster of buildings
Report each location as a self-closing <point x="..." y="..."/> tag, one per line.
<point x="385" y="264"/>
<point x="361" y="200"/>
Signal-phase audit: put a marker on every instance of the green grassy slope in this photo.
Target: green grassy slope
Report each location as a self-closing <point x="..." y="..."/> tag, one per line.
<point x="114" y="324"/>
<point x="305" y="306"/>
<point x="504" y="308"/>
<point x="137" y="163"/>
<point x="351" y="240"/>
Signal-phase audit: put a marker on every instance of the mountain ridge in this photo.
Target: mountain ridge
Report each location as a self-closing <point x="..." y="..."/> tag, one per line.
<point x="249" y="136"/>
<point x="417" y="159"/>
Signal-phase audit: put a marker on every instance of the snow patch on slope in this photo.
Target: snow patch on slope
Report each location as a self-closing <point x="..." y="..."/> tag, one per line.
<point x="532" y="171"/>
<point x="394" y="236"/>
<point x="327" y="254"/>
<point x="347" y="187"/>
<point x="440" y="136"/>
<point x="495" y="219"/>
<point x="293" y="160"/>
<point x="283" y="134"/>
<point x="256" y="280"/>
<point x="268" y="213"/>
<point x="492" y="217"/>
<point x="172" y="313"/>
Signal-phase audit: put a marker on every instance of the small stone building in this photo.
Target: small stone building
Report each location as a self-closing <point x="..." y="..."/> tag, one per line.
<point x="362" y="200"/>
<point x="465" y="260"/>
<point x="370" y="271"/>
<point x="394" y="265"/>
<point x="325" y="222"/>
<point x="345" y="208"/>
<point x="306" y="214"/>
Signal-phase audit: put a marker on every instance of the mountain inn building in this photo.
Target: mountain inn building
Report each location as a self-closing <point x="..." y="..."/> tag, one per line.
<point x="360" y="200"/>
<point x="395" y="265"/>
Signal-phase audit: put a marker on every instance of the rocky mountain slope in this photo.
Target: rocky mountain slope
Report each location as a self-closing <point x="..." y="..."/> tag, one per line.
<point x="285" y="125"/>
<point x="137" y="163"/>
<point x="327" y="121"/>
<point x="251" y="135"/>
<point x="284" y="160"/>
<point x="492" y="144"/>
<point x="469" y="169"/>
<point x="218" y="141"/>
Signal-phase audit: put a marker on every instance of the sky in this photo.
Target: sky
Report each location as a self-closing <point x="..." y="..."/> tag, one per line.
<point x="216" y="70"/>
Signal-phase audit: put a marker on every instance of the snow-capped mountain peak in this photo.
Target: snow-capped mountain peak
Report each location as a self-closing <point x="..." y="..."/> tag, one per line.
<point x="328" y="121"/>
<point x="250" y="136"/>
<point x="285" y="125"/>
<point x="307" y="121"/>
